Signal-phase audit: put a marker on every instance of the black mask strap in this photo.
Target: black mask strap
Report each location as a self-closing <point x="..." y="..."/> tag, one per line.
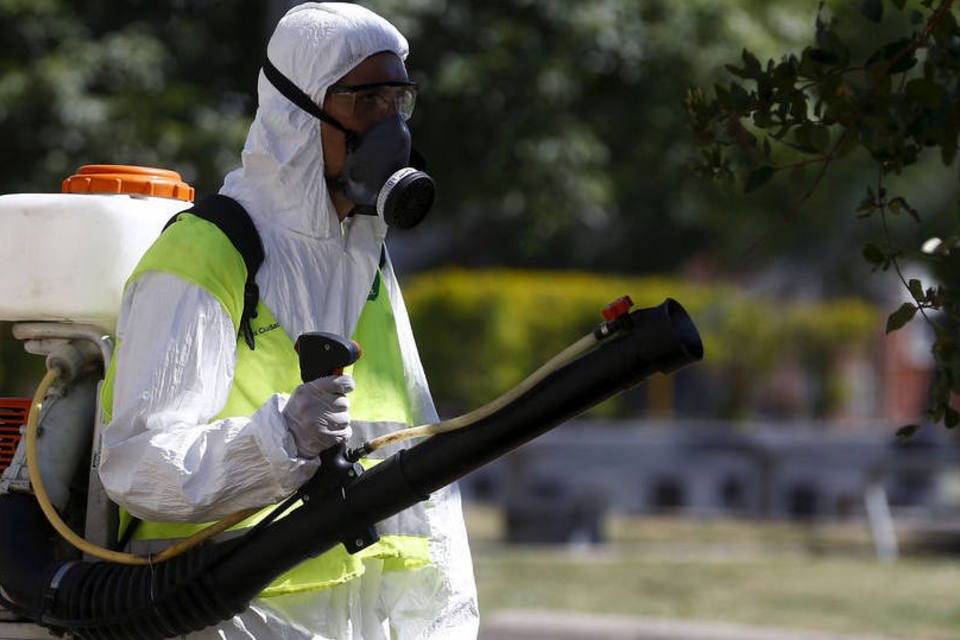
<point x="292" y="92"/>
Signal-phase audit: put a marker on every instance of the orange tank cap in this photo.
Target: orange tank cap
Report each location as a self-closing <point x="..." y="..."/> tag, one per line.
<point x="116" y="178"/>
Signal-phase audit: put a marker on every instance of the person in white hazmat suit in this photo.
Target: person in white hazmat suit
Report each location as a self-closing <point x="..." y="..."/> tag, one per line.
<point x="174" y="453"/>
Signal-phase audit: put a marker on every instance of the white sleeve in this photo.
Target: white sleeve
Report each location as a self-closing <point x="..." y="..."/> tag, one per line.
<point x="162" y="459"/>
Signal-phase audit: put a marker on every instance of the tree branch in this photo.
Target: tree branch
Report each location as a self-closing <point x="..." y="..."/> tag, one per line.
<point x="798" y="205"/>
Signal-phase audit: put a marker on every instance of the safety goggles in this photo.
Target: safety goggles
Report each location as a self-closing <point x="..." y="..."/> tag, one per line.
<point x="371" y="102"/>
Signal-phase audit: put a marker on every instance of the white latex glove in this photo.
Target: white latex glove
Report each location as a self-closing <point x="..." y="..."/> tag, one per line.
<point x="318" y="414"/>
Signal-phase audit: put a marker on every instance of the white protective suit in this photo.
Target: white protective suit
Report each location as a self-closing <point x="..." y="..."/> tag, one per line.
<point x="164" y="460"/>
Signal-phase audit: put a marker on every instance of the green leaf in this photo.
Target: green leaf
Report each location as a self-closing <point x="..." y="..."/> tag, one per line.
<point x="737" y="71"/>
<point x="798" y="106"/>
<point x="821" y="56"/>
<point x="893" y="51"/>
<point x="901" y="316"/>
<point x="898" y="3"/>
<point x="872" y="10"/>
<point x="948" y="147"/>
<point x="739" y="97"/>
<point x="751" y="64"/>
<point x="819" y="137"/>
<point x="927" y="92"/>
<point x="944" y="32"/>
<point x="936" y="411"/>
<point x="785" y="74"/>
<point x="893" y="206"/>
<point x="762" y="119"/>
<point x="906" y="432"/>
<point x="951" y="418"/>
<point x="916" y="289"/>
<point x="943" y="333"/>
<point x="868" y="205"/>
<point x="874" y="254"/>
<point x="758" y="177"/>
<point x="723" y="96"/>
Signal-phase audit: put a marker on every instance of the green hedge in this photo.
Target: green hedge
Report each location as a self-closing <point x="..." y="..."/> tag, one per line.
<point x="481" y="332"/>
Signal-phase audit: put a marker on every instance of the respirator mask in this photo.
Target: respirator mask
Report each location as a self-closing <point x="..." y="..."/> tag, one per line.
<point x="381" y="173"/>
<point x="378" y="178"/>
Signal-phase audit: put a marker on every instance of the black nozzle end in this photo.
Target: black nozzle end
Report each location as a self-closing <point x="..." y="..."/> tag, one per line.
<point x="684" y="329"/>
<point x="669" y="339"/>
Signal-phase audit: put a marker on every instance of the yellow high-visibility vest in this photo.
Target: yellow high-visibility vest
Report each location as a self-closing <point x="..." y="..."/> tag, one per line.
<point x="197" y="251"/>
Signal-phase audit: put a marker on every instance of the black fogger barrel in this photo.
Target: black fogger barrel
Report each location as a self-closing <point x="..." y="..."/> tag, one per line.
<point x="658" y="339"/>
<point x="217" y="580"/>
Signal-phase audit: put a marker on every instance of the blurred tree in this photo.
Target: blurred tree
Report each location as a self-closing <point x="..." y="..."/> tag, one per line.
<point x="164" y="83"/>
<point x="890" y="98"/>
<point x="555" y="128"/>
<point x="558" y="125"/>
<point x="161" y="83"/>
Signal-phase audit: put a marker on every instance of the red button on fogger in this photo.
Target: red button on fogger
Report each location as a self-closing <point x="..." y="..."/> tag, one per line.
<point x="617" y="308"/>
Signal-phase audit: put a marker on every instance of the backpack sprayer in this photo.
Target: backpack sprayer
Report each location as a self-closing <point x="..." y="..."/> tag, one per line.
<point x="214" y="580"/>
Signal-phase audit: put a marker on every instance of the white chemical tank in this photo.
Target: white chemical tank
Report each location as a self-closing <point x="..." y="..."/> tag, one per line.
<point x="66" y="256"/>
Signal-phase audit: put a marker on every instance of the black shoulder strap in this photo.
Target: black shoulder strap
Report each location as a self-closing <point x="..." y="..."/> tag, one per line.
<point x="235" y="223"/>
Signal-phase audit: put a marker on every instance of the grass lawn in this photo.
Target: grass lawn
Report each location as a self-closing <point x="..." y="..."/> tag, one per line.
<point x="771" y="574"/>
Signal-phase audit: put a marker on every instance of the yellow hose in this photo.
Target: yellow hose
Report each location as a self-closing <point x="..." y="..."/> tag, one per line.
<point x="567" y="355"/>
<point x="33" y="466"/>
<point x="572" y="352"/>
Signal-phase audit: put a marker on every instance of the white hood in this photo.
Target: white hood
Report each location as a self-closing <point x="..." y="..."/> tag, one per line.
<point x="281" y="182"/>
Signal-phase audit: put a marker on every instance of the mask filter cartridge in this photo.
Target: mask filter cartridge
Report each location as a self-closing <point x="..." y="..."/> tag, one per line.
<point x="406" y="198"/>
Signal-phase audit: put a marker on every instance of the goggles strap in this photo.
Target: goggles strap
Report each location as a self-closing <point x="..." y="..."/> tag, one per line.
<point x="294" y="94"/>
